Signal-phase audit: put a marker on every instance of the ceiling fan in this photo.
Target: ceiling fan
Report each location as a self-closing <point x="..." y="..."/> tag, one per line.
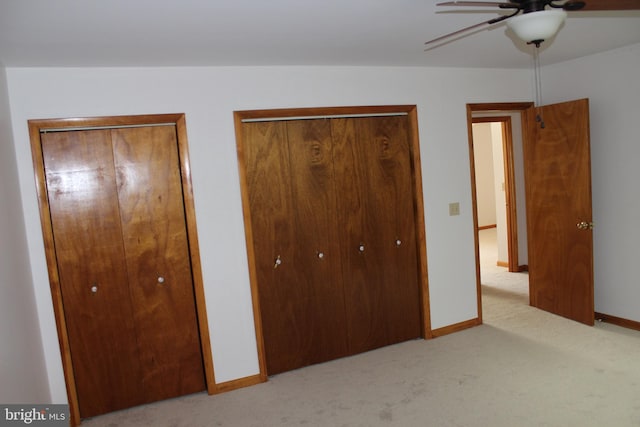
<point x="535" y="22"/>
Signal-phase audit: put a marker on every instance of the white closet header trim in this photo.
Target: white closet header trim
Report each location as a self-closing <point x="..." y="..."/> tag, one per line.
<point x="335" y="116"/>
<point x="70" y="129"/>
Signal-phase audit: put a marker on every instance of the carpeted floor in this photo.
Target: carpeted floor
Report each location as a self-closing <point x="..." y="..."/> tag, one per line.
<point x="522" y="367"/>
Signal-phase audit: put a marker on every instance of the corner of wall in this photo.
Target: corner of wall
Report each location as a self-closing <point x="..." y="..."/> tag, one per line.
<point x="22" y="366"/>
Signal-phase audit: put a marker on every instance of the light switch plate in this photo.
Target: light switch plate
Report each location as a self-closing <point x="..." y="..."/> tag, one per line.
<point x="454" y="209"/>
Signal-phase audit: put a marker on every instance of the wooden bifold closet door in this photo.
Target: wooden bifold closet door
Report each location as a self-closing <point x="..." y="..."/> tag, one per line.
<point x="377" y="231"/>
<point x="333" y="233"/>
<point x="122" y="253"/>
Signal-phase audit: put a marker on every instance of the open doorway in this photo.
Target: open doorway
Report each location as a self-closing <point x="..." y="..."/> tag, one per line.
<point x="497" y="165"/>
<point x="495" y="189"/>
<point x="558" y="190"/>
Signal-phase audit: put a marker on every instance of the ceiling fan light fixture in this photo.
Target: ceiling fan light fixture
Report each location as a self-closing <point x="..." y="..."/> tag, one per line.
<point x="537" y="26"/>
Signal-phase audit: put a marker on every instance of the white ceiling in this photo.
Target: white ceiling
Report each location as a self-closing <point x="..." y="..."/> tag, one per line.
<point x="282" y="32"/>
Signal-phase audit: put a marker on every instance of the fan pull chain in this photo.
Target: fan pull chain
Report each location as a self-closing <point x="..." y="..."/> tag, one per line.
<point x="538" y="84"/>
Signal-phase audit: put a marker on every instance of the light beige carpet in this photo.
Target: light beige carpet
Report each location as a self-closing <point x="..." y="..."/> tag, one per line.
<point x="522" y="368"/>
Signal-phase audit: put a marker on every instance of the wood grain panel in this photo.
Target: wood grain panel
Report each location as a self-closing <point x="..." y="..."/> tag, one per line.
<point x="307" y="190"/>
<point x="363" y="260"/>
<point x="158" y="262"/>
<point x="292" y="200"/>
<point x="377" y="231"/>
<point x="387" y="156"/>
<point x="81" y="187"/>
<point x="116" y="348"/>
<point x="558" y="183"/>
<point x="294" y="297"/>
<point x="267" y="172"/>
<point x="317" y="255"/>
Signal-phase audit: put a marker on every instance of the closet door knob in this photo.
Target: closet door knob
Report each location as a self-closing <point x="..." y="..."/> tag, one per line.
<point x="584" y="225"/>
<point x="94" y="289"/>
<point x="361" y="248"/>
<point x="160" y="279"/>
<point x="320" y="255"/>
<point x="277" y="262"/>
<point x="398" y="242"/>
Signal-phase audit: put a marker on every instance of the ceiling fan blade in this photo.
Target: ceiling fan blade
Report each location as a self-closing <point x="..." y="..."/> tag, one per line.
<point x="455" y="33"/>
<point x="472" y="27"/>
<point x="502" y="5"/>
<point x="592" y="5"/>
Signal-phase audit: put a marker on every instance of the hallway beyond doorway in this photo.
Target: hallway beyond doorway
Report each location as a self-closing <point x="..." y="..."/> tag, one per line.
<point x="498" y="281"/>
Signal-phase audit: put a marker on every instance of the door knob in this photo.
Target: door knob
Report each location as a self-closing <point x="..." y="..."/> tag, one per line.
<point x="94" y="289"/>
<point x="160" y="280"/>
<point x="584" y="225"/>
<point x="361" y="248"/>
<point x="277" y="263"/>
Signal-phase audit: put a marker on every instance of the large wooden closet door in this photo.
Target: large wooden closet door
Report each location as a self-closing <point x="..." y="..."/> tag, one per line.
<point x="85" y="217"/>
<point x="333" y="236"/>
<point x="158" y="262"/>
<point x="122" y="252"/>
<point x="380" y="272"/>
<point x="317" y="251"/>
<point x="291" y="195"/>
<point x="267" y="164"/>
<point x="384" y="145"/>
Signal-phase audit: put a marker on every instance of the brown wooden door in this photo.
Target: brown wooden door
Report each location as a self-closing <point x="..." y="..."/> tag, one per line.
<point x="266" y="157"/>
<point x="158" y="262"/>
<point x="377" y="231"/>
<point x="87" y="231"/>
<point x="333" y="236"/>
<point x="558" y="185"/>
<point x="292" y="200"/>
<point x="120" y="239"/>
<point x="392" y="213"/>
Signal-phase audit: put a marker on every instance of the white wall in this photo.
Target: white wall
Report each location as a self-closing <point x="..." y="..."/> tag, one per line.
<point x="208" y="96"/>
<point x="21" y="354"/>
<point x="484" y="168"/>
<point x="488" y="144"/>
<point x="610" y="81"/>
<point x="499" y="191"/>
<point x="518" y="172"/>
